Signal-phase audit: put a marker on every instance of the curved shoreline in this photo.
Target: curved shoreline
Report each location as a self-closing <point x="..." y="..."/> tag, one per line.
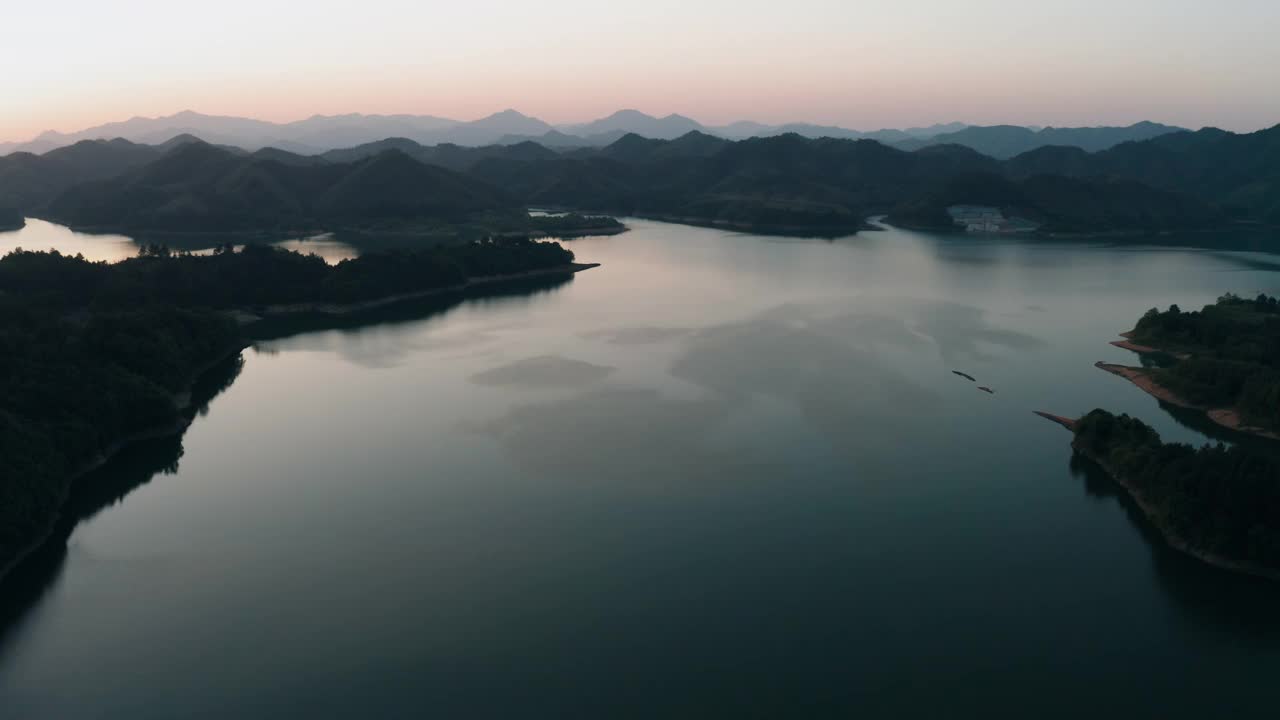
<point x="303" y="231"/>
<point x="1172" y="539"/>
<point x="1153" y="516"/>
<point x="1228" y="418"/>
<point x="244" y="317"/>
<point x="181" y="403"/>
<point x="182" y="399"/>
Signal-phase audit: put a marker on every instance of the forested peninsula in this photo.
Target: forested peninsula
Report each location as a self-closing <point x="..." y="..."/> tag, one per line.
<point x="96" y="355"/>
<point x="1223" y="359"/>
<point x="1217" y="503"/>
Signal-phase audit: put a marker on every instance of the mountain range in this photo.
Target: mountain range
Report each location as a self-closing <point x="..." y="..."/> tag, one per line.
<point x="199" y="187"/>
<point x="323" y="133"/>
<point x="784" y="183"/>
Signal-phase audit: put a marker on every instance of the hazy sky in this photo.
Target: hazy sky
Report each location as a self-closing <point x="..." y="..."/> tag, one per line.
<point x="69" y="64"/>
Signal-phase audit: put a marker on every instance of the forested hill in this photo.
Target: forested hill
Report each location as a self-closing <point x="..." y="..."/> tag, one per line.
<point x="790" y="183"/>
<point x="785" y="183"/>
<point x="198" y="187"/>
<point x="1239" y="172"/>
<point x="29" y="181"/>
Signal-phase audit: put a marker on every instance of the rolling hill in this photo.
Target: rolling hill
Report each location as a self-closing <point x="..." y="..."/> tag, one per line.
<point x="1006" y="141"/>
<point x="201" y="188"/>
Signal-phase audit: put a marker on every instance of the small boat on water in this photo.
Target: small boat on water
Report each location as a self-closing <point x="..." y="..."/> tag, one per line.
<point x="966" y="376"/>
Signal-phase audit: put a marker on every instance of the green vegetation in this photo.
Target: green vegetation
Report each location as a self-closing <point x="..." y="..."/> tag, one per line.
<point x="1216" y="502"/>
<point x="95" y="354"/>
<point x="1234" y="348"/>
<point x="261" y="275"/>
<point x="72" y="386"/>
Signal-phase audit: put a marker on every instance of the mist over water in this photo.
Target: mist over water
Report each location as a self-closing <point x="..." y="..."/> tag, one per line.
<point x="721" y="474"/>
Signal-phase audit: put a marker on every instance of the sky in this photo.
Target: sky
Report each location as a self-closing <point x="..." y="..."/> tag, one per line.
<point x="863" y="64"/>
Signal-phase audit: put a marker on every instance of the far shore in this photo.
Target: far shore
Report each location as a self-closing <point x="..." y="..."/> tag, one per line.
<point x="442" y="233"/>
<point x="1157" y="521"/>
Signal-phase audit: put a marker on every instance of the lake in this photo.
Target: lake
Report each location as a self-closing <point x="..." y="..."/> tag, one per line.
<point x="44" y="235"/>
<point x="721" y="475"/>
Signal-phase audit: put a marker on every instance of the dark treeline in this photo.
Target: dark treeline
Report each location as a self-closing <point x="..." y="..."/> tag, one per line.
<point x="73" y="385"/>
<point x="1234" y="348"/>
<point x="259" y="275"/>
<point x="1215" y="499"/>
<point x="93" y="355"/>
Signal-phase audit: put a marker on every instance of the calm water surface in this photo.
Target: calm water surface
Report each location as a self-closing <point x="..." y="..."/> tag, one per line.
<point x="42" y="235"/>
<point x="721" y="475"/>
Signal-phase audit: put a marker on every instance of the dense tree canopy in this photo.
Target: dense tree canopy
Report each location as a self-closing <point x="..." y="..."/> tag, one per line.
<point x="1217" y="499"/>
<point x="1234" y="348"/>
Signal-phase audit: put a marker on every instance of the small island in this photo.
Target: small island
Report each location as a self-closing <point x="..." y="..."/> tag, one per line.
<point x="1223" y="360"/>
<point x="1215" y="503"/>
<point x="95" y="356"/>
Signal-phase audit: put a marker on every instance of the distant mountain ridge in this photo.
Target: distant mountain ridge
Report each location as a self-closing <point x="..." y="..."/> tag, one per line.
<point x="321" y="133"/>
<point x="1005" y="141"/>
<point x="784" y="183"/>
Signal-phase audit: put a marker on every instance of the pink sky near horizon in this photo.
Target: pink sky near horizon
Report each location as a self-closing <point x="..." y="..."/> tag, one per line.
<point x="864" y="65"/>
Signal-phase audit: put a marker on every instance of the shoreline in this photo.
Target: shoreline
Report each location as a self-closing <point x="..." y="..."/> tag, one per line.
<point x="293" y="233"/>
<point x="1153" y="516"/>
<point x="1228" y="418"/>
<point x="1130" y="345"/>
<point x="182" y="399"/>
<point x="793" y="231"/>
<point x="181" y="403"/>
<point x="1173" y="540"/>
<point x="245" y="317"/>
<point x="570" y="234"/>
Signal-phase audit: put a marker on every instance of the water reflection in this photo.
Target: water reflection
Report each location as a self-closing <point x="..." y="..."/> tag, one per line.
<point x="139" y="463"/>
<point x="41" y="235"/>
<point x="381" y="338"/>
<point x="718" y="458"/>
<point x="134" y="466"/>
<point x="1239" y="606"/>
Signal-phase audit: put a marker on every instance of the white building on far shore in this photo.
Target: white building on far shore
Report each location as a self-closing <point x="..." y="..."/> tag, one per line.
<point x="985" y="219"/>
